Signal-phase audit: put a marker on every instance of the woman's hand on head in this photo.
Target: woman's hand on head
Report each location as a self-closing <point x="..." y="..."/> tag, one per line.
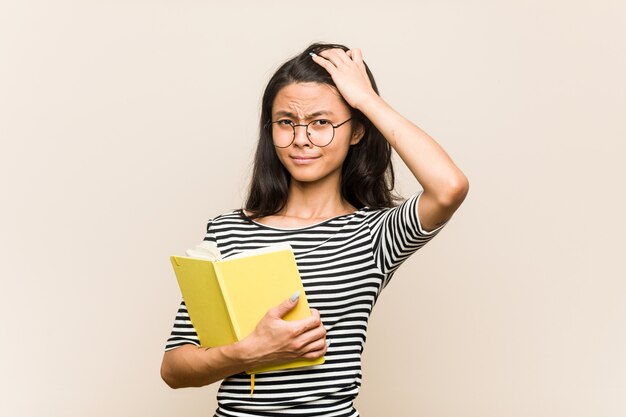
<point x="276" y="340"/>
<point x="348" y="72"/>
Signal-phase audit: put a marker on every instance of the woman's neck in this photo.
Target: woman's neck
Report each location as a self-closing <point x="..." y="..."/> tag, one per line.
<point x="314" y="204"/>
<point x="309" y="203"/>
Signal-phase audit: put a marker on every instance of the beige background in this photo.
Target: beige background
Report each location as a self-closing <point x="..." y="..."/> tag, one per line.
<point x="125" y="125"/>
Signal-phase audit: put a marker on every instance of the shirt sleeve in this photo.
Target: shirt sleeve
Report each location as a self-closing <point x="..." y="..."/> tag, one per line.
<point x="396" y="234"/>
<point x="183" y="332"/>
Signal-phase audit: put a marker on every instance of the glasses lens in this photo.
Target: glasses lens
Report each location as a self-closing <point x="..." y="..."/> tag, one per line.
<point x="282" y="134"/>
<point x="320" y="132"/>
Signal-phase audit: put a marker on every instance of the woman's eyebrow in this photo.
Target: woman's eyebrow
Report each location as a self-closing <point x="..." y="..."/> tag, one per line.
<point x="283" y="113"/>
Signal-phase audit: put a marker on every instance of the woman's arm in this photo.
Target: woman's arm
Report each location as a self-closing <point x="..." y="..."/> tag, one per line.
<point x="273" y="341"/>
<point x="445" y="186"/>
<point x="195" y="366"/>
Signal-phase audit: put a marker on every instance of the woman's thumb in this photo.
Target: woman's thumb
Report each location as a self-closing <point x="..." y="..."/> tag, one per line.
<point x="287" y="305"/>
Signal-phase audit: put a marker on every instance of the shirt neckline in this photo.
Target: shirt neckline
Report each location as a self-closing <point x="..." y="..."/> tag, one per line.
<point x="292" y="229"/>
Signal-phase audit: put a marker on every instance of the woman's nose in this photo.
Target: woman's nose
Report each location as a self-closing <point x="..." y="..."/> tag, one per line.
<point x="301" y="136"/>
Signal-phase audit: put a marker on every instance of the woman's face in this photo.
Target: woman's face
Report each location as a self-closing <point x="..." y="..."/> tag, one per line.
<point x="301" y="103"/>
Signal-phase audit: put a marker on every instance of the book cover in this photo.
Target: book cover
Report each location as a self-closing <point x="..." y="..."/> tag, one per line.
<point x="226" y="298"/>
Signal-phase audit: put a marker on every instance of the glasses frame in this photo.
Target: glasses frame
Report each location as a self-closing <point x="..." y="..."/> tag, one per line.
<point x="293" y="127"/>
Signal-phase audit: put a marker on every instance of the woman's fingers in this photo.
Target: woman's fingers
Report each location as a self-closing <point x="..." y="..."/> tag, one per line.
<point x="324" y="63"/>
<point x="313" y="341"/>
<point x="284" y="340"/>
<point x="309" y="323"/>
<point x="312" y="336"/>
<point x="315" y="350"/>
<point x="349" y="74"/>
<point x="310" y="332"/>
<point x="357" y="57"/>
<point x="336" y="56"/>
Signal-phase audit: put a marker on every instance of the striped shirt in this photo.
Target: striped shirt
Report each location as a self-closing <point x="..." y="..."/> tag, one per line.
<point x="344" y="263"/>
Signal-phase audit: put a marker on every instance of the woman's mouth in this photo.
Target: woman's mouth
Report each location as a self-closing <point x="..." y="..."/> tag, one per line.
<point x="301" y="159"/>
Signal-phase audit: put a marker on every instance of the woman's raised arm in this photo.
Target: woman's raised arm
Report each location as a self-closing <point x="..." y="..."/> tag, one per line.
<point x="445" y="186"/>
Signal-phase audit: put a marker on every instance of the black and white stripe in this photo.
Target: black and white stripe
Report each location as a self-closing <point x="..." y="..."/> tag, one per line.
<point x="344" y="263"/>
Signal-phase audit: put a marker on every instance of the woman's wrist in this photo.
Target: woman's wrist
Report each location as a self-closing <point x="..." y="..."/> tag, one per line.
<point x="221" y="362"/>
<point x="243" y="353"/>
<point x="371" y="103"/>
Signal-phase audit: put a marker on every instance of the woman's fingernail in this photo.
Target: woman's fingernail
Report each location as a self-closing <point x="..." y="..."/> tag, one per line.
<point x="295" y="296"/>
<point x="328" y="343"/>
<point x="312" y="54"/>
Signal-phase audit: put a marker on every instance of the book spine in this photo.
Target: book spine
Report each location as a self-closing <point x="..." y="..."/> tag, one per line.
<point x="232" y="318"/>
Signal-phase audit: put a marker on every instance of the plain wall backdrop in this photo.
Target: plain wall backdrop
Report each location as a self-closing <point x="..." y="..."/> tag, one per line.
<point x="125" y="125"/>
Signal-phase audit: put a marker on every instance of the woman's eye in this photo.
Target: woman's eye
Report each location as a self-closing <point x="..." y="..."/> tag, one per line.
<point x="284" y="122"/>
<point x="321" y="122"/>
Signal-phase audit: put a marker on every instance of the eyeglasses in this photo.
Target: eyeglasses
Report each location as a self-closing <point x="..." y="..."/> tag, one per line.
<point x="319" y="132"/>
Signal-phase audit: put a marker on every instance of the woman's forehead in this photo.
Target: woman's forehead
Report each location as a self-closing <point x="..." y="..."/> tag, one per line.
<point x="308" y="99"/>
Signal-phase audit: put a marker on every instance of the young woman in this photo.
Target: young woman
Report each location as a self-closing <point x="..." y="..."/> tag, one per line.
<point x="322" y="182"/>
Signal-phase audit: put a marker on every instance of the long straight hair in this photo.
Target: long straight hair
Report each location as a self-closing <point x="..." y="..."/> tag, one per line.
<point x="367" y="177"/>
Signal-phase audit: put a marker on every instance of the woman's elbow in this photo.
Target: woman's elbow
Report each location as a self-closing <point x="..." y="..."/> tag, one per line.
<point x="456" y="191"/>
<point x="168" y="376"/>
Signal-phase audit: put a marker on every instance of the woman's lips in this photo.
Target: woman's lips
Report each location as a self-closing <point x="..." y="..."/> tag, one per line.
<point x="300" y="159"/>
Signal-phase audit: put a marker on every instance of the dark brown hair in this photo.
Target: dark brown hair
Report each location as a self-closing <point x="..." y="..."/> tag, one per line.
<point x="367" y="173"/>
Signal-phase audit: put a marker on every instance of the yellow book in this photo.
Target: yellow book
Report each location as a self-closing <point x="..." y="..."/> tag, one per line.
<point x="226" y="298"/>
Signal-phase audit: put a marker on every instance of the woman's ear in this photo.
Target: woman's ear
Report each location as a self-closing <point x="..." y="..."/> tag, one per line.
<point x="357" y="133"/>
